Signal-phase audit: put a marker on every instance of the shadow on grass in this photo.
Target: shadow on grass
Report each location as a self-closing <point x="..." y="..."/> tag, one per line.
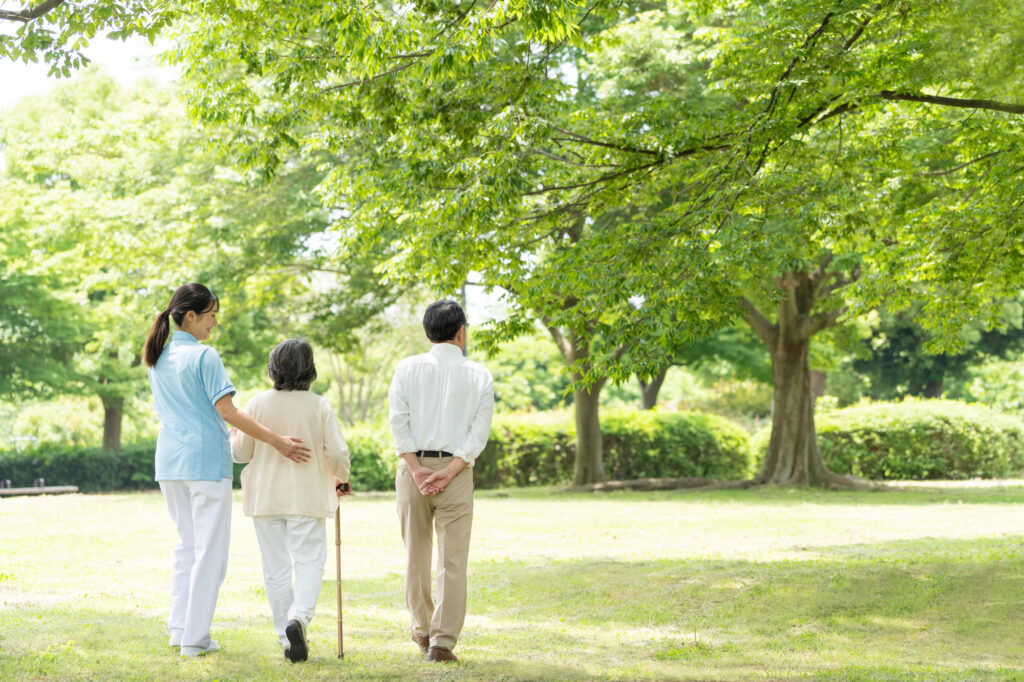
<point x="909" y="610"/>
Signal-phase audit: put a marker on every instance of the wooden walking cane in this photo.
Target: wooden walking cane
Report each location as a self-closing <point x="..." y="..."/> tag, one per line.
<point x="337" y="556"/>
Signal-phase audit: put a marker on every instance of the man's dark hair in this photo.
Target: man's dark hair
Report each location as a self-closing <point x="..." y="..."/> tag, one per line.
<point x="442" y="320"/>
<point x="291" y="366"/>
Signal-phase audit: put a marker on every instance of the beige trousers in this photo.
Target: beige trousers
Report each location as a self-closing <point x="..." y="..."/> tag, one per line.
<point x="451" y="513"/>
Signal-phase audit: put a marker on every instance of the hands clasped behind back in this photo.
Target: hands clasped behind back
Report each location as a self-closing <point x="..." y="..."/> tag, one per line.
<point x="432" y="481"/>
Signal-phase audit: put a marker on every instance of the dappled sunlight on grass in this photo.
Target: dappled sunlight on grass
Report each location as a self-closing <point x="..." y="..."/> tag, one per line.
<point x="729" y="586"/>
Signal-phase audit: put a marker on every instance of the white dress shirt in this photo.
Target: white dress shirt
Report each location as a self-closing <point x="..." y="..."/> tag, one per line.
<point x="441" y="401"/>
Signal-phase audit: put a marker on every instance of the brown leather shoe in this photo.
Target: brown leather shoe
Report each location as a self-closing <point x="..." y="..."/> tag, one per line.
<point x="439" y="654"/>
<point x="423" y="642"/>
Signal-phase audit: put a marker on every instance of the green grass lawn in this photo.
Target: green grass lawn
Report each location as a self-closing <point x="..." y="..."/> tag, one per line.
<point x="733" y="585"/>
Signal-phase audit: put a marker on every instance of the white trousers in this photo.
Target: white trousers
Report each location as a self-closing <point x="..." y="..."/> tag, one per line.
<point x="284" y="540"/>
<point x="202" y="512"/>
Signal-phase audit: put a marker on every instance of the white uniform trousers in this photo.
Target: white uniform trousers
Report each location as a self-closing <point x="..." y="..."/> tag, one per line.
<point x="202" y="512"/>
<point x="284" y="540"/>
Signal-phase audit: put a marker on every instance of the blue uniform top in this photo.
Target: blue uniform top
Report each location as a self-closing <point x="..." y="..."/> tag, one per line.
<point x="193" y="442"/>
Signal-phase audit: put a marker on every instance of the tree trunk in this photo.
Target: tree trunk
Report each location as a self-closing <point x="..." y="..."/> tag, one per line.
<point x="589" y="466"/>
<point x="113" y="411"/>
<point x="933" y="389"/>
<point x="649" y="391"/>
<point x="818" y="382"/>
<point x="793" y="457"/>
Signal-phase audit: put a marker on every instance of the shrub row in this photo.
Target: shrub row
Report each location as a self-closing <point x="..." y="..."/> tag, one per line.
<point x="908" y="440"/>
<point x="917" y="440"/>
<point x="531" y="449"/>
<point x="525" y="449"/>
<point x="91" y="469"/>
<point x="922" y="440"/>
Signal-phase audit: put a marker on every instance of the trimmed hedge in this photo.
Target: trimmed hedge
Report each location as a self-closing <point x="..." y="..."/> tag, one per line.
<point x="523" y="450"/>
<point x="91" y="469"/>
<point x="918" y="440"/>
<point x="540" y="449"/>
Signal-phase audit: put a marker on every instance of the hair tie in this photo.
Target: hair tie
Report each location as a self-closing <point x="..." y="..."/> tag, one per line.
<point x="166" y="312"/>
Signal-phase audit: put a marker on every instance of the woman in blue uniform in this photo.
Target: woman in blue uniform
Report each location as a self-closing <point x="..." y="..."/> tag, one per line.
<point x="192" y="395"/>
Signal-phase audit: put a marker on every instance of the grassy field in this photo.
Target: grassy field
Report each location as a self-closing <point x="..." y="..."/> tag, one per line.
<point x="921" y="584"/>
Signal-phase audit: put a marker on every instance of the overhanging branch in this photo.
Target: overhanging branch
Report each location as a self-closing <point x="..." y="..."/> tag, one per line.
<point x="989" y="104"/>
<point x="27" y="15"/>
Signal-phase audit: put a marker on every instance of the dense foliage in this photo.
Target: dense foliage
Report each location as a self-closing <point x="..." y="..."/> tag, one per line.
<point x="633" y="176"/>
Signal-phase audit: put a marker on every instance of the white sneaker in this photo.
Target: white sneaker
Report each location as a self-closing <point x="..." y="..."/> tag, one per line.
<point x="193" y="651"/>
<point x="175" y="638"/>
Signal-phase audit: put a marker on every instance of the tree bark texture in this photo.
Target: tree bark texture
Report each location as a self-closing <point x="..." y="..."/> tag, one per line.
<point x="793" y="457"/>
<point x="649" y="390"/>
<point x="589" y="465"/>
<point x="113" y="412"/>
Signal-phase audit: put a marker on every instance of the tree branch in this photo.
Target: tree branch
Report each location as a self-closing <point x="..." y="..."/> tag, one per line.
<point x="961" y="166"/>
<point x="597" y="143"/>
<point x="796" y="58"/>
<point x="991" y="105"/>
<point x="564" y="347"/>
<point x="819" y="271"/>
<point x="27" y="15"/>
<point x="370" y="79"/>
<point x="823" y="320"/>
<point x="556" y="157"/>
<point x="761" y="325"/>
<point x="840" y="282"/>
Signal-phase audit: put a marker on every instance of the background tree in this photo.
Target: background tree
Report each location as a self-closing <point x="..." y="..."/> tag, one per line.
<point x="39" y="331"/>
<point x="801" y="160"/>
<point x="894" y="365"/>
<point x="115" y="201"/>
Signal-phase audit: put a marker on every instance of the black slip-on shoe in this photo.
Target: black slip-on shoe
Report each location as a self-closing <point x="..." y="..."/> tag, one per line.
<point x="296" y="633"/>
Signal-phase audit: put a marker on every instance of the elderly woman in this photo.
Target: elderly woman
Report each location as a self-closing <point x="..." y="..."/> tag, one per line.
<point x="287" y="501"/>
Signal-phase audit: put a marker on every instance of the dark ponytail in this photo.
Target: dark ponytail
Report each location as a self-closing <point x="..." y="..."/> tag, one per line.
<point x="194" y="297"/>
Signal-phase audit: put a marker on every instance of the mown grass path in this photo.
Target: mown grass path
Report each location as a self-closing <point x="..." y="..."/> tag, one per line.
<point x="921" y="584"/>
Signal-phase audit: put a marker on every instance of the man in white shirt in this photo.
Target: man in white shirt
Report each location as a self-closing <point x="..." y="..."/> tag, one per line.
<point x="440" y="414"/>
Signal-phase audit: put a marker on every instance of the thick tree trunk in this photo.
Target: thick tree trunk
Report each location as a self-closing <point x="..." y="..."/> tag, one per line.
<point x="113" y="412"/>
<point x="649" y="391"/>
<point x="589" y="466"/>
<point x="793" y="457"/>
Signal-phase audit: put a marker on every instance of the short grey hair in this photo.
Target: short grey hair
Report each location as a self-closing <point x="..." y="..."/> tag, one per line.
<point x="291" y="365"/>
